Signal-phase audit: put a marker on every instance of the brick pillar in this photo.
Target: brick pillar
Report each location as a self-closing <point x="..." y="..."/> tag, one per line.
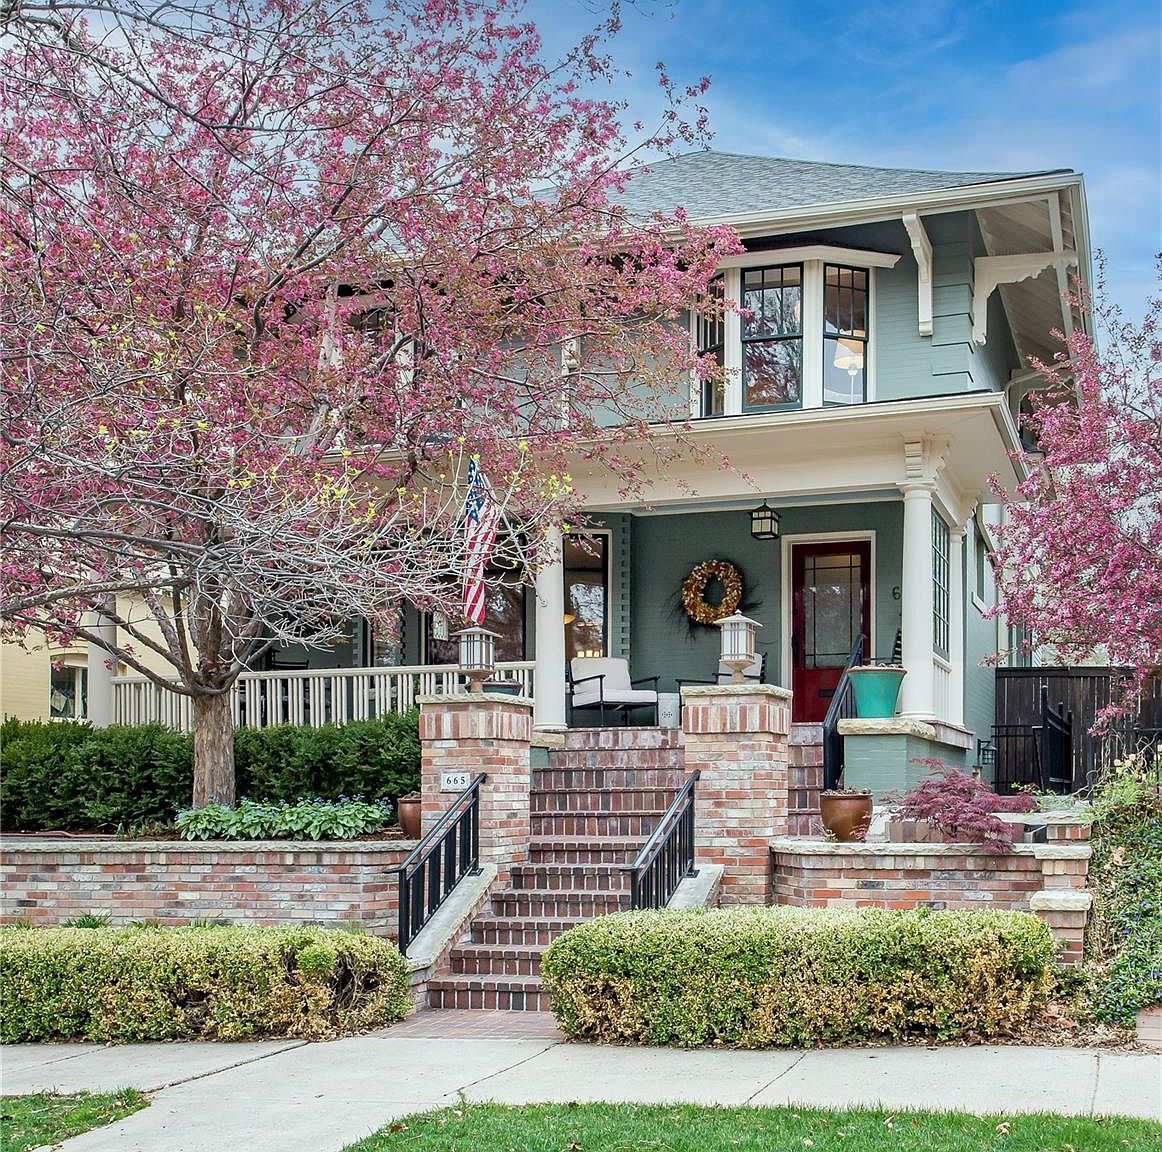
<point x="479" y="732"/>
<point x="737" y="735"/>
<point x="1063" y="902"/>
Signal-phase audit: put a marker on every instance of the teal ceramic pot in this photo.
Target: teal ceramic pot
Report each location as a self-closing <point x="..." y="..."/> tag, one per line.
<point x="876" y="690"/>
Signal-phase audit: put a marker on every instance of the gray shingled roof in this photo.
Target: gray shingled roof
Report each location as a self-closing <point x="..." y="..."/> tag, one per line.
<point x="726" y="184"/>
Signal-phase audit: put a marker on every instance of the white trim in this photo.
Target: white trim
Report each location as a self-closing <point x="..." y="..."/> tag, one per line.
<point x="991" y="271"/>
<point x="811" y="385"/>
<point x="1057" y="236"/>
<point x="872" y="346"/>
<point x="732" y="343"/>
<point x="941" y="662"/>
<point x="785" y="591"/>
<point x="824" y="253"/>
<point x="922" y="250"/>
<point x="978" y="603"/>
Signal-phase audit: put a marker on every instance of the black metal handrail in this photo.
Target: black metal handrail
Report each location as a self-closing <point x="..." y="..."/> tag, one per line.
<point x="668" y="855"/>
<point x="449" y="852"/>
<point x="842" y="707"/>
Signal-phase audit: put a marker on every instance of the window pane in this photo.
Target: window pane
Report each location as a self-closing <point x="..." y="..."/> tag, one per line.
<point x="66" y="693"/>
<point x="771" y="373"/>
<point x="844" y="370"/>
<point x="773" y="296"/>
<point x="504" y="613"/>
<point x="832" y="608"/>
<point x="586" y="596"/>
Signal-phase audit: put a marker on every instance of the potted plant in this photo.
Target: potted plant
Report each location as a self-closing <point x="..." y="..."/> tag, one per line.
<point x="846" y="813"/>
<point x="876" y="688"/>
<point x="409" y="815"/>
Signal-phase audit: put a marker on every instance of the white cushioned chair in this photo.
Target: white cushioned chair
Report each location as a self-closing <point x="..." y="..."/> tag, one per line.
<point x="603" y="683"/>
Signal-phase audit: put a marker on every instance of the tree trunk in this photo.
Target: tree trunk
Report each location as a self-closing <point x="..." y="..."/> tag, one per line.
<point x="213" y="750"/>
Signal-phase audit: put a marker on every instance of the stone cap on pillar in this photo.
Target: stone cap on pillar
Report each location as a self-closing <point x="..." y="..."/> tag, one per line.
<point x="474" y="698"/>
<point x="747" y="688"/>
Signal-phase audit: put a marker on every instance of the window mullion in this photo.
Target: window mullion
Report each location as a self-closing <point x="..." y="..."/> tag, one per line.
<point x="813" y="334"/>
<point x="732" y="352"/>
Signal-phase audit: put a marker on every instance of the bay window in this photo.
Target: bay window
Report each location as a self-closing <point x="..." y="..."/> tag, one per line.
<point x="710" y="340"/>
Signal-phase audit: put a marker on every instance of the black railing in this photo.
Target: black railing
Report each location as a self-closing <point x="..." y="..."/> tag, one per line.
<point x="668" y="855"/>
<point x="842" y="707"/>
<point x="1056" y="746"/>
<point x="448" y="853"/>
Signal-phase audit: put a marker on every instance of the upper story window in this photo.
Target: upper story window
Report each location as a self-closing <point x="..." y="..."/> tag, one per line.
<point x="710" y="340"/>
<point x="772" y="337"/>
<point x="845" y="308"/>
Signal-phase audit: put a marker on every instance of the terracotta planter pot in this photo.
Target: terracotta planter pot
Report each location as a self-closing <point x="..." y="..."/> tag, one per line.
<point x="846" y="817"/>
<point x="409" y="816"/>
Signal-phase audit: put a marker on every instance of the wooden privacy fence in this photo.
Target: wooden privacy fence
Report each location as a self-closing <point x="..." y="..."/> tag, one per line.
<point x="1082" y="691"/>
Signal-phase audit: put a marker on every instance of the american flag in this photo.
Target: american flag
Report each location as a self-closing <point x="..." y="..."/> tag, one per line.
<point x="481" y="516"/>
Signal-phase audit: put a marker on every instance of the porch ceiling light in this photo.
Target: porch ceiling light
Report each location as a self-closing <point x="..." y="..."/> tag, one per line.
<point x="738" y="643"/>
<point x="477" y="655"/>
<point x="764" y="522"/>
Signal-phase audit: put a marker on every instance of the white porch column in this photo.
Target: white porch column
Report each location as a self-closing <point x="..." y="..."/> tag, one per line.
<point x="916" y="633"/>
<point x="956" y="624"/>
<point x="549" y="673"/>
<point x="99" y="687"/>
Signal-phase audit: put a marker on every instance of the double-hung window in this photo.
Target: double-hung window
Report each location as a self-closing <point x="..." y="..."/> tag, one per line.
<point x="845" y="298"/>
<point x="772" y="337"/>
<point x="710" y="340"/>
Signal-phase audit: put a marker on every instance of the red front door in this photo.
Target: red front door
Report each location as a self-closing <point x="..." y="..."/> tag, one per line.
<point x="830" y="585"/>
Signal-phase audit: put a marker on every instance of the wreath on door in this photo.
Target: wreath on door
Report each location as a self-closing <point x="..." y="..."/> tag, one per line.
<point x="694" y="601"/>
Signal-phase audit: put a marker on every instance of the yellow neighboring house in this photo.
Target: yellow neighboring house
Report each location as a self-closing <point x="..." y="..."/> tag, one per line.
<point x="43" y="682"/>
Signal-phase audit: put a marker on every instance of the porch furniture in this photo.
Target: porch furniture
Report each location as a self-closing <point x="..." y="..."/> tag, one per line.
<point x="603" y="683"/>
<point x="755" y="674"/>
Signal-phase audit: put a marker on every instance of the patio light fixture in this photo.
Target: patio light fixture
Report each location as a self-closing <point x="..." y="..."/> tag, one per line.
<point x="764" y="522"/>
<point x="738" y="643"/>
<point x="477" y="655"/>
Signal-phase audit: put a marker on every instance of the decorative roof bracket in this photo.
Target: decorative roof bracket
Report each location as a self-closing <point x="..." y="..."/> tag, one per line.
<point x="922" y="250"/>
<point x="989" y="271"/>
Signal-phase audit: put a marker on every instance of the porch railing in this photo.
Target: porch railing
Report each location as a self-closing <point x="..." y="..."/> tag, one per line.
<point x="449" y="852"/>
<point x="313" y="697"/>
<point x="842" y="707"/>
<point x="668" y="855"/>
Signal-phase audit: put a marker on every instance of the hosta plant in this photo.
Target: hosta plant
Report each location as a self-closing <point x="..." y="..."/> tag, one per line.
<point x="341" y="819"/>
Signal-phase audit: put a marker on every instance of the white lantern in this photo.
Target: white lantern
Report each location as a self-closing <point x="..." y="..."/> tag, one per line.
<point x="477" y="655"/>
<point x="738" y="643"/>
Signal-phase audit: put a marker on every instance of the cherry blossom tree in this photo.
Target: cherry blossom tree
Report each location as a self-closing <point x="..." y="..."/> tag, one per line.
<point x="1080" y="557"/>
<point x="273" y="271"/>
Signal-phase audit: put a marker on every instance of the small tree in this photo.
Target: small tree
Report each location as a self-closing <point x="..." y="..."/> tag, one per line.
<point x="272" y="272"/>
<point x="1080" y="558"/>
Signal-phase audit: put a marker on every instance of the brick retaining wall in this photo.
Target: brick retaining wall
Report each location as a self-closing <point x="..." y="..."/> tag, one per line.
<point x="244" y="882"/>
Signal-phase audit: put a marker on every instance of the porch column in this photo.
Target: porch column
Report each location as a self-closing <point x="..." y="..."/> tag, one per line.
<point x="956" y="612"/>
<point x="916" y="632"/>
<point x="100" y="668"/>
<point x="549" y="673"/>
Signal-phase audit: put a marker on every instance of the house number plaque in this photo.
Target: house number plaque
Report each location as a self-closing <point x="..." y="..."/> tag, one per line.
<point x="454" y="781"/>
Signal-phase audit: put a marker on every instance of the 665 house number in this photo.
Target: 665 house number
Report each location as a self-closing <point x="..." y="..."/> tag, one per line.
<point x="454" y="781"/>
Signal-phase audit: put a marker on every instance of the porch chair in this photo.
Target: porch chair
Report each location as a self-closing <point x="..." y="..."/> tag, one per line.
<point x="755" y="674"/>
<point x="603" y="683"/>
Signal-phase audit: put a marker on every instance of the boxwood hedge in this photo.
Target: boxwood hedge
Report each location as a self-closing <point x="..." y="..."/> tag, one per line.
<point x="764" y="977"/>
<point x="128" y="984"/>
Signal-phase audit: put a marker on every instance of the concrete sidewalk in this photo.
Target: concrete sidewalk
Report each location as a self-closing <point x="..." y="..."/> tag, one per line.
<point x="290" y="1097"/>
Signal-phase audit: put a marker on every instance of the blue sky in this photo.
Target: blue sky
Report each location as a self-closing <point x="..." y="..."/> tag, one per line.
<point x="1005" y="85"/>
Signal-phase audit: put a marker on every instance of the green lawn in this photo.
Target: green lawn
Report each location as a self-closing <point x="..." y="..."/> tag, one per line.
<point x="688" y="1128"/>
<point x="45" y="1118"/>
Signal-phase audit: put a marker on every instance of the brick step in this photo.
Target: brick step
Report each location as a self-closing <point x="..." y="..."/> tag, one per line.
<point x="497" y="959"/>
<point x="494" y="931"/>
<point x="582" y="777"/>
<point x="588" y="825"/>
<point x="536" y="902"/>
<point x="601" y="800"/>
<point x="570" y="877"/>
<point x="584" y="850"/>
<point x="505" y="993"/>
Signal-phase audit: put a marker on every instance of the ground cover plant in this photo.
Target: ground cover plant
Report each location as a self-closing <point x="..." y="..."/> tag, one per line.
<point x="340" y="819"/>
<point x="68" y="776"/>
<point x="764" y="977"/>
<point x="44" y="1118"/>
<point x="1124" y="934"/>
<point x="196" y="983"/>
<point x="690" y="1128"/>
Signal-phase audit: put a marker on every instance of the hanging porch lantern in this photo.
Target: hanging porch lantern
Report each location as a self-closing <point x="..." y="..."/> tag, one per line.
<point x="477" y="655"/>
<point x="738" y="643"/>
<point x="764" y="522"/>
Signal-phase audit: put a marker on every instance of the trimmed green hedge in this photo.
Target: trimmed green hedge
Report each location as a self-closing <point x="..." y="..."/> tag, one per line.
<point x="765" y="977"/>
<point x="129" y="984"/>
<point x="71" y="777"/>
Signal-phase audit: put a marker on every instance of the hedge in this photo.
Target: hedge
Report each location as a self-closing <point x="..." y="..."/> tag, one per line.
<point x="123" y="985"/>
<point x="74" y="778"/>
<point x="765" y="977"/>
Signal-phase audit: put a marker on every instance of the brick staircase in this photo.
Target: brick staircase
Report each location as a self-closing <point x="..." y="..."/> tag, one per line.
<point x="592" y="809"/>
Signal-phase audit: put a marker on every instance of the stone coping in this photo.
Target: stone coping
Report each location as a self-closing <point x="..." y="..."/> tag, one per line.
<point x="1075" y="851"/>
<point x="551" y="738"/>
<point x="475" y="698"/>
<point x="32" y="844"/>
<point x="888" y="726"/>
<point x="712" y="691"/>
<point x="954" y="735"/>
<point x="791" y="845"/>
<point x="1061" y="900"/>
